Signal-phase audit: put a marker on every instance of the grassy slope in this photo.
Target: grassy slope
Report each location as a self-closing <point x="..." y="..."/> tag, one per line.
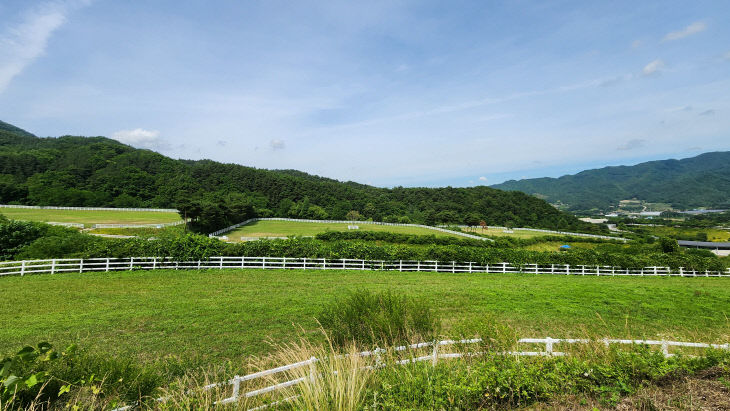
<point x="288" y="228"/>
<point x="217" y="315"/>
<point x="90" y="217"/>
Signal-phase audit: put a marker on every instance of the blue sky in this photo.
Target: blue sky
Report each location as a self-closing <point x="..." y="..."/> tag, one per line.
<point x="413" y="93"/>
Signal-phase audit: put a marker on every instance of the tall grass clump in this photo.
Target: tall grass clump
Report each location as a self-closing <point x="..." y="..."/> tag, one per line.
<point x="378" y="319"/>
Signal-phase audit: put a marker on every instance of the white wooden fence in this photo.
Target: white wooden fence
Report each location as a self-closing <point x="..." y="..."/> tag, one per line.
<point x="160" y="210"/>
<point x="77" y="265"/>
<point x="251" y="220"/>
<point x="153" y="225"/>
<point x="436" y="351"/>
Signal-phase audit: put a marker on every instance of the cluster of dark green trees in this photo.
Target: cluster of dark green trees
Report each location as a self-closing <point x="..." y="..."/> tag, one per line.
<point x="96" y="171"/>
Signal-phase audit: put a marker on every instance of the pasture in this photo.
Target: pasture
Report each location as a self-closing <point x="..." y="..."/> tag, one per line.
<point x="90" y="217"/>
<point x="500" y="232"/>
<point x="269" y="228"/>
<point x="207" y="317"/>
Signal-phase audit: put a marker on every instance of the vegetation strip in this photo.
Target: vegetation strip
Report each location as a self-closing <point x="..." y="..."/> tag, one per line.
<point x="81" y="265"/>
<point x="435" y="355"/>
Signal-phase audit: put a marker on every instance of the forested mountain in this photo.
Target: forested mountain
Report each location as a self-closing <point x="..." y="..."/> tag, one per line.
<point x="97" y="171"/>
<point x="701" y="181"/>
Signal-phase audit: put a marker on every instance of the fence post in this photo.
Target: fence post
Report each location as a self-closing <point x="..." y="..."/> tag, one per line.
<point x="549" y="346"/>
<point x="436" y="266"/>
<point x="400" y="266"/>
<point x="107" y="265"/>
<point x="220" y="264"/>
<point x="435" y="354"/>
<point x="53" y="266"/>
<point x="305" y="263"/>
<point x="598" y="270"/>
<point x="81" y="265"/>
<point x="418" y="266"/>
<point x="469" y="267"/>
<point x="681" y="274"/>
<point x="504" y="268"/>
<point x="655" y="270"/>
<point x="363" y="264"/>
<point x="665" y="348"/>
<point x="453" y="267"/>
<point x="236" y="387"/>
<point x="312" y="369"/>
<point x="567" y="269"/>
<point x="131" y="262"/>
<point x="324" y="263"/>
<point x="22" y="268"/>
<point x="263" y="263"/>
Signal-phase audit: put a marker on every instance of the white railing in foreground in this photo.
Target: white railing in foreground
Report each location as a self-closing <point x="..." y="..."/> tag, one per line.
<point x="436" y="353"/>
<point x="80" y="265"/>
<point x="157" y="210"/>
<point x="252" y="220"/>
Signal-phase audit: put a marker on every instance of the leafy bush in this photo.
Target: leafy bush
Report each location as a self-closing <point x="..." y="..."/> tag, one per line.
<point x="382" y="319"/>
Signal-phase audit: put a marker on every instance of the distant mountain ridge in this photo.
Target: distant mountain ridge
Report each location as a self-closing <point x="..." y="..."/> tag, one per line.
<point x="98" y="171"/>
<point x="701" y="181"/>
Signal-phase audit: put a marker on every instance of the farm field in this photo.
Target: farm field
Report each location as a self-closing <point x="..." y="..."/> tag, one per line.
<point x="713" y="234"/>
<point x="499" y="232"/>
<point x="88" y="217"/>
<point x="300" y="228"/>
<point x="210" y="316"/>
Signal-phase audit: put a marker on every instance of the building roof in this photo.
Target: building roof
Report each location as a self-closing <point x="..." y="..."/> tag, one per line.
<point x="704" y="244"/>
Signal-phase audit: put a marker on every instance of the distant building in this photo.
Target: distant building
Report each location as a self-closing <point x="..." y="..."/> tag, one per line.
<point x="721" y="249"/>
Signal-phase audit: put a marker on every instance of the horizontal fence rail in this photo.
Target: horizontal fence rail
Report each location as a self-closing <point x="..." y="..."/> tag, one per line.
<point x="252" y="220"/>
<point x="160" y="210"/>
<point x="435" y="351"/>
<point x="62" y="265"/>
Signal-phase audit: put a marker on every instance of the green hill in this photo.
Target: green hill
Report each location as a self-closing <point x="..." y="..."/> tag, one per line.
<point x="97" y="171"/>
<point x="701" y="181"/>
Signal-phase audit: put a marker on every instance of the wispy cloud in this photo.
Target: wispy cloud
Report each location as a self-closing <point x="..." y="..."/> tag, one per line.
<point x="693" y="28"/>
<point x="632" y="144"/>
<point x="707" y="113"/>
<point x="277" y="144"/>
<point x="25" y="41"/>
<point x="140" y="138"/>
<point x="653" y="68"/>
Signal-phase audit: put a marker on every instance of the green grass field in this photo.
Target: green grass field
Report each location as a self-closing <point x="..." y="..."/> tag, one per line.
<point x="499" y="232"/>
<point x="210" y="316"/>
<point x="288" y="228"/>
<point x="90" y="217"/>
<point x="713" y="234"/>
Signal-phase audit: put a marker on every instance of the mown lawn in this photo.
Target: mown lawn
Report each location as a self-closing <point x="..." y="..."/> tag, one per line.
<point x="90" y="217"/>
<point x="205" y="316"/>
<point x="268" y="228"/>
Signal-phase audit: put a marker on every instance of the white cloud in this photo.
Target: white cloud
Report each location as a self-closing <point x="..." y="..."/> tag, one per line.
<point x="636" y="44"/>
<point x="632" y="144"/>
<point x="483" y="179"/>
<point x="24" y="42"/>
<point x="277" y="144"/>
<point x="653" y="68"/>
<point x="693" y="28"/>
<point x="140" y="138"/>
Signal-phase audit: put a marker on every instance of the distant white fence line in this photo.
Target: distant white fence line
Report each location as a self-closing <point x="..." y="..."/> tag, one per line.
<point x="251" y="220"/>
<point x="152" y="225"/>
<point x="75" y="225"/>
<point x="539" y="230"/>
<point x="160" y="210"/>
<point x="80" y="265"/>
<point x="436" y="353"/>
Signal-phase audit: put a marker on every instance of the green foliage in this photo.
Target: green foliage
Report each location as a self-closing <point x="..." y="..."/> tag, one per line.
<point x="378" y="319"/>
<point x="501" y="382"/>
<point x="668" y="245"/>
<point x="43" y="374"/>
